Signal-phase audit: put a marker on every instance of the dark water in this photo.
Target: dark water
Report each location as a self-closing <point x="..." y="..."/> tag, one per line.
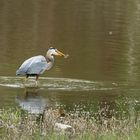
<point x="101" y="37"/>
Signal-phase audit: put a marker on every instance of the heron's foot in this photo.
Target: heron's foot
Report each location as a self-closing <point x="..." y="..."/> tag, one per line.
<point x="24" y="80"/>
<point x="36" y="83"/>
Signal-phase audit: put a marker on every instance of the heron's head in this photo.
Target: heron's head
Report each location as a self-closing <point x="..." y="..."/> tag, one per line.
<point x="54" y="52"/>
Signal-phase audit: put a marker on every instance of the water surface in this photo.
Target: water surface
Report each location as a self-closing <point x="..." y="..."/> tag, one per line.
<point x="101" y="37"/>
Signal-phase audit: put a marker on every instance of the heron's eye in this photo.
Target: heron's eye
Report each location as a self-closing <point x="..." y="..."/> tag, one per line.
<point x="51" y="48"/>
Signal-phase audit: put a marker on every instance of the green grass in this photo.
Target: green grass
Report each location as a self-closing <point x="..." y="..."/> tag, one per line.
<point x="18" y="124"/>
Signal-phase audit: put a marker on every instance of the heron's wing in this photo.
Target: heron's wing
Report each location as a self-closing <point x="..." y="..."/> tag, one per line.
<point x="27" y="64"/>
<point x="37" y="68"/>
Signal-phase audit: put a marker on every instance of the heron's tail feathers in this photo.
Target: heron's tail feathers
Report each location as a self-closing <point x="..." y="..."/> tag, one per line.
<point x="19" y="72"/>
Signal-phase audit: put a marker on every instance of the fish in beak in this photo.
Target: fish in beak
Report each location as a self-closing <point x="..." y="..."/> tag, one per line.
<point x="61" y="54"/>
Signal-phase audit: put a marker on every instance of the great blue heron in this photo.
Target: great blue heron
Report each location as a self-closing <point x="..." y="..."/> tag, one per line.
<point x="36" y="65"/>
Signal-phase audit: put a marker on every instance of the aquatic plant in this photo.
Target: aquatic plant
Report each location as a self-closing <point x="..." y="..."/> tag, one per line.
<point x="103" y="124"/>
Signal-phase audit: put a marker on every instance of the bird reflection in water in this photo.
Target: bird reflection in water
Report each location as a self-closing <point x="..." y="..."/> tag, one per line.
<point x="32" y="102"/>
<point x="39" y="109"/>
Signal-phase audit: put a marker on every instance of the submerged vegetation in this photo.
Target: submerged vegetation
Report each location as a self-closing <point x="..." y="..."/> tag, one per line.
<point x="102" y="124"/>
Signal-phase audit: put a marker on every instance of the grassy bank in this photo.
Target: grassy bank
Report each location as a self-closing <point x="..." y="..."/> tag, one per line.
<point x="18" y="124"/>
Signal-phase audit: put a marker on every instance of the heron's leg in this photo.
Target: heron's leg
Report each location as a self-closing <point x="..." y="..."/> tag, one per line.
<point x="26" y="78"/>
<point x="37" y="76"/>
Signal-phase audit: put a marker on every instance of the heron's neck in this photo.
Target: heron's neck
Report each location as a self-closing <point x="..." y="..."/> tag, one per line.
<point x="50" y="62"/>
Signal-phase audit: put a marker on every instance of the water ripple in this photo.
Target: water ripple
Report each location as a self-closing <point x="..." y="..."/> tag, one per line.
<point x="52" y="83"/>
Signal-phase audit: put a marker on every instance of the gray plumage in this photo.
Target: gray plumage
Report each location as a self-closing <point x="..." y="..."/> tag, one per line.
<point x="33" y="65"/>
<point x="36" y="65"/>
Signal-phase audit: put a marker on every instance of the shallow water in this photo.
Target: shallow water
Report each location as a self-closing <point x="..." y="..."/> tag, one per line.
<point x="101" y="37"/>
<point x="70" y="93"/>
<point x="56" y="84"/>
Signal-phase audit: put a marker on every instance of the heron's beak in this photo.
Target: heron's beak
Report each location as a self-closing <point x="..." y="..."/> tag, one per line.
<point x="60" y="53"/>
